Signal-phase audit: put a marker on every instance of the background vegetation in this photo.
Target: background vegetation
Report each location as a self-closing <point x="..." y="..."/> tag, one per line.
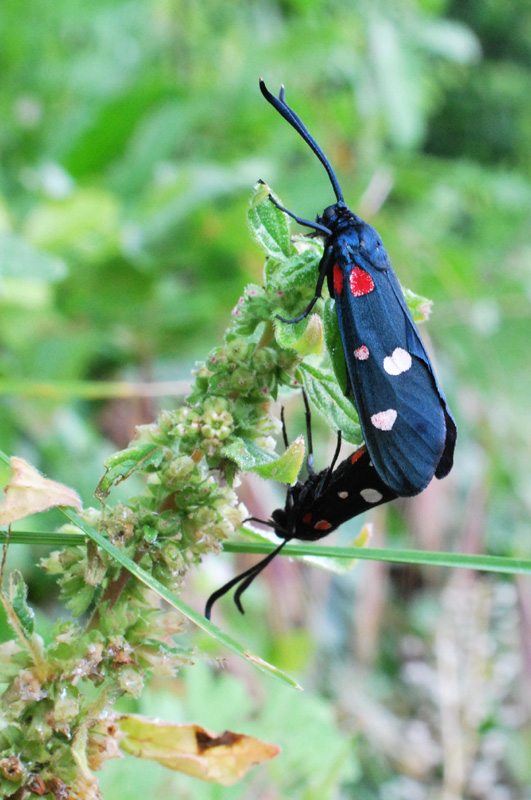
<point x="131" y="134"/>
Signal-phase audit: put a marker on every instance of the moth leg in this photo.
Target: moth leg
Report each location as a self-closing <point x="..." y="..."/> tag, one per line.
<point x="306" y="222"/>
<point x="323" y="269"/>
<point x="256" y="570"/>
<point x="332" y="466"/>
<point x="308" y="415"/>
<point x="247" y="577"/>
<point x="284" y="430"/>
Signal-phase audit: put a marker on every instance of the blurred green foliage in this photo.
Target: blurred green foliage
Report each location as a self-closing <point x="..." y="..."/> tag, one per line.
<point x="130" y="135"/>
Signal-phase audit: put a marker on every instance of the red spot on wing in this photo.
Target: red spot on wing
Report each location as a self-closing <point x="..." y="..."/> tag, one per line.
<point x="307" y="518"/>
<point x="323" y="525"/>
<point x="358" y="454"/>
<point x="338" y="279"/>
<point x="362" y="353"/>
<point x="360" y="282"/>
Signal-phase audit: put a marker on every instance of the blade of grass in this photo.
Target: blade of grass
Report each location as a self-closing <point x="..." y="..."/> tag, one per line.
<point x="42" y="538"/>
<point x="194" y="616"/>
<point x="486" y="563"/>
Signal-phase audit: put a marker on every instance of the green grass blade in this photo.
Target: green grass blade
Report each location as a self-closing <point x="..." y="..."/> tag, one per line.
<point x="42" y="538"/>
<point x="486" y="563"/>
<point x="503" y="564"/>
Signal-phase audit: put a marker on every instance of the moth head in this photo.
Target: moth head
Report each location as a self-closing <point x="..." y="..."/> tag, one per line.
<point x="280" y="521"/>
<point x="332" y="215"/>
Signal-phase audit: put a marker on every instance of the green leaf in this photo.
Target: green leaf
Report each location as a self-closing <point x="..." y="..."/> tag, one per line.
<point x="286" y="468"/>
<point x="268" y="225"/>
<point x="175" y="602"/>
<point x="122" y="464"/>
<point x="305" y="337"/>
<point x="247" y="454"/>
<point x="18" y="593"/>
<point x="334" y="344"/>
<point x="298" y="271"/>
<point x="330" y="401"/>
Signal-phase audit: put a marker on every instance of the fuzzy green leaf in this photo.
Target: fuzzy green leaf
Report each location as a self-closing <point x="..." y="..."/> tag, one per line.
<point x="18" y="593"/>
<point x="286" y="468"/>
<point x="330" y="401"/>
<point x="122" y="464"/>
<point x="268" y="225"/>
<point x="298" y="271"/>
<point x="247" y="454"/>
<point x="305" y="337"/>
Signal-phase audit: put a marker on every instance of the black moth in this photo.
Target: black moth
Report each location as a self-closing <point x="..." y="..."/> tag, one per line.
<point x="408" y="428"/>
<point x="316" y="507"/>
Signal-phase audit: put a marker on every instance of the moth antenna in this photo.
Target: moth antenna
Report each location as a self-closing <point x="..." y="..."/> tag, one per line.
<point x="247" y="577"/>
<point x="252" y="575"/>
<point x="295" y="121"/>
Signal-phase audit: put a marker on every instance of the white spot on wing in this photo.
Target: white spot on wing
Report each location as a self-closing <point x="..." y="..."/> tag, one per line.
<point x="371" y="495"/>
<point x="342" y="495"/>
<point x="397" y="363"/>
<point x="384" y="420"/>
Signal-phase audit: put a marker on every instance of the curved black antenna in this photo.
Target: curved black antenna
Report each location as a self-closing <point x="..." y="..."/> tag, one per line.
<point x="257" y="570"/>
<point x="247" y="577"/>
<point x="290" y="116"/>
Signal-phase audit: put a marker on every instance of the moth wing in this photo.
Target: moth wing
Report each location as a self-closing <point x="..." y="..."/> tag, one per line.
<point x="354" y="487"/>
<point x="402" y="411"/>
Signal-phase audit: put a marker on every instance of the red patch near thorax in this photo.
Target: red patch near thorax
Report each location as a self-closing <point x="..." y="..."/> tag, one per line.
<point x="360" y="282"/>
<point x="358" y="454"/>
<point x="307" y="518"/>
<point x="338" y="279"/>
